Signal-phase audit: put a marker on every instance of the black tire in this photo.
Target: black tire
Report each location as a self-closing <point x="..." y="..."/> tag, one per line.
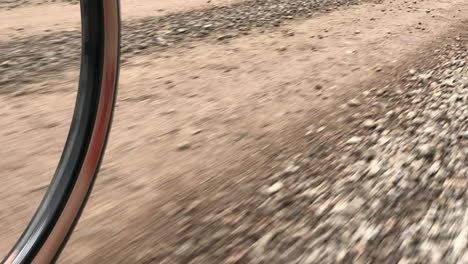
<point x="59" y="211"/>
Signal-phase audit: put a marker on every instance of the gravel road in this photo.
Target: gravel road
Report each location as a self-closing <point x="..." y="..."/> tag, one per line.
<point x="11" y="4"/>
<point x="391" y="188"/>
<point x="286" y="131"/>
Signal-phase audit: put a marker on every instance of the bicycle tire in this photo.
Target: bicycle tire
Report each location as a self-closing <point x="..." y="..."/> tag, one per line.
<point x="54" y="221"/>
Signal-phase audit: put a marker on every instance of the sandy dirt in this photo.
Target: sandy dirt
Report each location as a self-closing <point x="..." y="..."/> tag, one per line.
<point x="237" y="106"/>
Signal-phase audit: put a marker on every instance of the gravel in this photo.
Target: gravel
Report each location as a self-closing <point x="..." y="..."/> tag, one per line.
<point x="24" y="60"/>
<point x="395" y="195"/>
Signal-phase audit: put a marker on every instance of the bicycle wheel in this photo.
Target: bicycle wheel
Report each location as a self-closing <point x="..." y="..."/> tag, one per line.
<point x="61" y="207"/>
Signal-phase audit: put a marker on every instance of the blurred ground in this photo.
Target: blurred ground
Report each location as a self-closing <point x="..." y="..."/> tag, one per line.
<point x="257" y="132"/>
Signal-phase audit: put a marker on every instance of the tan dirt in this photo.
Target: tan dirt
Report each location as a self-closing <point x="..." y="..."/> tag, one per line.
<point x="232" y="102"/>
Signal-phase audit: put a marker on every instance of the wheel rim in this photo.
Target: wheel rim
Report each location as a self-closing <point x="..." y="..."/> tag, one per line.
<point x="61" y="207"/>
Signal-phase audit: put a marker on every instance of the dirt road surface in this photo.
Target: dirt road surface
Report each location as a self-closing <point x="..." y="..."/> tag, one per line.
<point x="294" y="132"/>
